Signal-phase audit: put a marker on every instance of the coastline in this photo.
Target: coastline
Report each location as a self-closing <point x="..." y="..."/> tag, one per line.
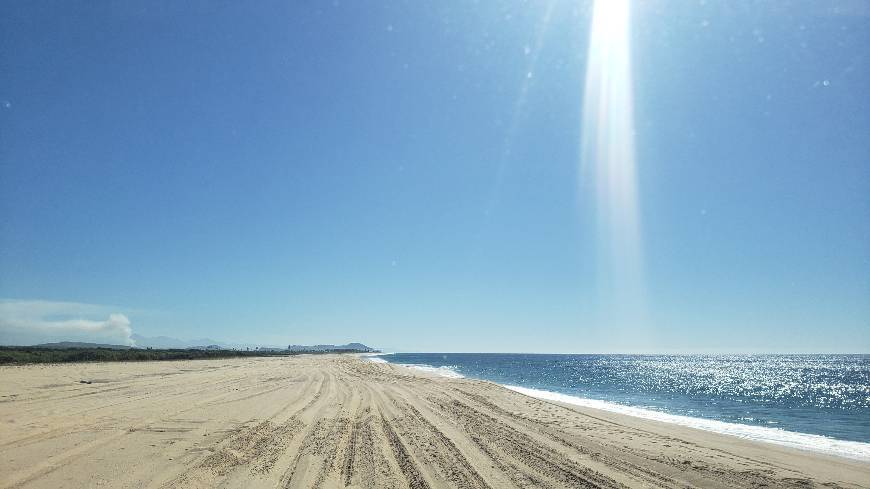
<point x="774" y="436"/>
<point x="336" y="421"/>
<point x="802" y="441"/>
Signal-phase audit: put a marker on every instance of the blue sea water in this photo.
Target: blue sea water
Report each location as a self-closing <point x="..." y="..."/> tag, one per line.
<point x="827" y="395"/>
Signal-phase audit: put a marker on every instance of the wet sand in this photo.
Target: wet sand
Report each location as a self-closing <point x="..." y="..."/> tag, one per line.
<point x="337" y="421"/>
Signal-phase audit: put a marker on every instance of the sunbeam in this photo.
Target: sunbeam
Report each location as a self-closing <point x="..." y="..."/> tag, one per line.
<point x="608" y="156"/>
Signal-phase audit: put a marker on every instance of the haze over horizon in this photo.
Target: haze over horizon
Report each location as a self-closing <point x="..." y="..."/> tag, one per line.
<point x="412" y="176"/>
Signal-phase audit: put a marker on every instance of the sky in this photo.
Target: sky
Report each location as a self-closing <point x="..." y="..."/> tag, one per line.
<point x="414" y="175"/>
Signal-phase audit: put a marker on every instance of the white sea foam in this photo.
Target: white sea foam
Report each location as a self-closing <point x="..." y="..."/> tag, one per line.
<point x="443" y="371"/>
<point x="374" y="357"/>
<point x="817" y="443"/>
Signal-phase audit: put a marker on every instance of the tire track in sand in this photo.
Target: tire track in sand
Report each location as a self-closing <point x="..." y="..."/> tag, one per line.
<point x="436" y="449"/>
<point x="403" y="458"/>
<point x="259" y="446"/>
<point x="644" y="474"/>
<point x="324" y="443"/>
<point x="371" y="463"/>
<point x="513" y="449"/>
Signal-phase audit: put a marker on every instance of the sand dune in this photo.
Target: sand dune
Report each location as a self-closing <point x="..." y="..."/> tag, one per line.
<point x="330" y="421"/>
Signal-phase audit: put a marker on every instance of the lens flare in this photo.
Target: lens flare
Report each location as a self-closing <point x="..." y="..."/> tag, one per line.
<point x="608" y="158"/>
<point x="533" y="53"/>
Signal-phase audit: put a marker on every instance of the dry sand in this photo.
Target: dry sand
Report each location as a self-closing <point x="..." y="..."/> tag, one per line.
<point x="329" y="421"/>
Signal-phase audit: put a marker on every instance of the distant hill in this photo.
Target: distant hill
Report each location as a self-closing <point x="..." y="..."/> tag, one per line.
<point x="201" y="343"/>
<point x="168" y="342"/>
<point x="78" y="344"/>
<point x="349" y="346"/>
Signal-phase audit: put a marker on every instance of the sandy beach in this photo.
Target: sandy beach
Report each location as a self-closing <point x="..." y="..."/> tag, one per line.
<point x="341" y="421"/>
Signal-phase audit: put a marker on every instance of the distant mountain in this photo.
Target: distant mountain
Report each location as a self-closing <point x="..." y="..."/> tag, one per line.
<point x="202" y="343"/>
<point x="165" y="342"/>
<point x="168" y="342"/>
<point x="78" y="344"/>
<point x="349" y="346"/>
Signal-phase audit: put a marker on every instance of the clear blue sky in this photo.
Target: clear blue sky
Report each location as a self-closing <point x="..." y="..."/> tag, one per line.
<point x="406" y="174"/>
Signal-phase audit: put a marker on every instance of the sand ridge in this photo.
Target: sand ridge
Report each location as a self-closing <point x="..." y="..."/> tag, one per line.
<point x="341" y="421"/>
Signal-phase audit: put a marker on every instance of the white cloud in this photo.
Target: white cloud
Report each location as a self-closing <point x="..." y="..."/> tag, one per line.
<point x="32" y="322"/>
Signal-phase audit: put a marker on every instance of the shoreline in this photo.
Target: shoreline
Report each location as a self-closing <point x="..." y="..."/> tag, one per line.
<point x="850" y="449"/>
<point x="337" y="421"/>
<point x="853" y="450"/>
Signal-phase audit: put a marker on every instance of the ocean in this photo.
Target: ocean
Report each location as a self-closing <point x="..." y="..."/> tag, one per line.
<point x="813" y="402"/>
